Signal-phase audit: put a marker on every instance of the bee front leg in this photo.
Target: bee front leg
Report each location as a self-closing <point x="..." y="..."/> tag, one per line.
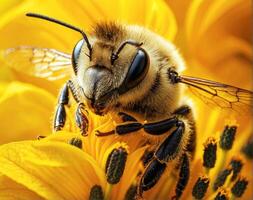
<point x="60" y="114"/>
<point x="81" y="119"/>
<point x="81" y="112"/>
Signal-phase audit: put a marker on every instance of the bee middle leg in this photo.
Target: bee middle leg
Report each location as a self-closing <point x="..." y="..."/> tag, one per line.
<point x="63" y="100"/>
<point x="156" y="128"/>
<point x="130" y="124"/>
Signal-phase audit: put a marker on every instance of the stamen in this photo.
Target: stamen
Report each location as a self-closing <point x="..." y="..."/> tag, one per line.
<point x="221" y="178"/>
<point x="223" y="194"/>
<point x="76" y="142"/>
<point x="96" y="193"/>
<point x="200" y="187"/>
<point x="236" y="165"/>
<point x="131" y="193"/>
<point x="115" y="165"/>
<point x="248" y="148"/>
<point x="210" y="149"/>
<point x="239" y="187"/>
<point x="227" y="137"/>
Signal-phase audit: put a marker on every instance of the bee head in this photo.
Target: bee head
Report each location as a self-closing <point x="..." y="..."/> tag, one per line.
<point x="111" y="70"/>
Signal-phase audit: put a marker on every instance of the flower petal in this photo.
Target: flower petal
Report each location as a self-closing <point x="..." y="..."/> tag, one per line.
<point x="26" y="106"/>
<point x="7" y="186"/>
<point x="53" y="170"/>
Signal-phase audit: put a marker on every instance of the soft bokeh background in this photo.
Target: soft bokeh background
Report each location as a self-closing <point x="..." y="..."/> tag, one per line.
<point x="214" y="37"/>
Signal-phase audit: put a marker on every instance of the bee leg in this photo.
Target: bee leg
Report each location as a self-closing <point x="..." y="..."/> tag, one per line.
<point x="121" y="129"/>
<point x="128" y="126"/>
<point x="81" y="119"/>
<point x="60" y="115"/>
<point x="63" y="100"/>
<point x="147" y="157"/>
<point x="81" y="113"/>
<point x="184" y="175"/>
<point x="126" y="117"/>
<point x="183" y="110"/>
<point x="166" y="152"/>
<point x="156" y="128"/>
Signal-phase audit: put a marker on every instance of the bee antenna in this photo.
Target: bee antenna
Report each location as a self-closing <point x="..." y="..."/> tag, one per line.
<point x="63" y="24"/>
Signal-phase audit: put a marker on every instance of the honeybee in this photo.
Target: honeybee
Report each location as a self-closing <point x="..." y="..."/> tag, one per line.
<point x="134" y="72"/>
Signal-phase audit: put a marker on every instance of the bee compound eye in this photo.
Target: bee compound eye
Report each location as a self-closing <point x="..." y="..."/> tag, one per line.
<point x="76" y="53"/>
<point x="137" y="70"/>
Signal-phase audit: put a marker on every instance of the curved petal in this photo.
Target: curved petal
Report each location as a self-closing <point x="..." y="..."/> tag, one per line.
<point x="53" y="170"/>
<point x="25" y="111"/>
<point x="7" y="186"/>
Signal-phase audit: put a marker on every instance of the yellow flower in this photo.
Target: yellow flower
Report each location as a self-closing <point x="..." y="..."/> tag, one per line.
<point x="214" y="37"/>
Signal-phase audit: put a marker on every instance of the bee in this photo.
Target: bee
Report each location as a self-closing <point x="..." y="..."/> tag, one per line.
<point x="135" y="73"/>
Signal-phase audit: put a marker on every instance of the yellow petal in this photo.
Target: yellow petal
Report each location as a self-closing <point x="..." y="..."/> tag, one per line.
<point x="53" y="170"/>
<point x="7" y="186"/>
<point x="25" y="111"/>
<point x="216" y="10"/>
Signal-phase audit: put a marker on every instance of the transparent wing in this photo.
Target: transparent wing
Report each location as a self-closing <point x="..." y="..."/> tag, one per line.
<point x="219" y="94"/>
<point x="41" y="62"/>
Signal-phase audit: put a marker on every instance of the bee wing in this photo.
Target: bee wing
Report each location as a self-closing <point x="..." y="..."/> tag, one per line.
<point x="41" y="62"/>
<point x="219" y="94"/>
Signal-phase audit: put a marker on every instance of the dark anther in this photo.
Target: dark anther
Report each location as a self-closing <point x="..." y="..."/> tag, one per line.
<point x="239" y="187"/>
<point x="222" y="195"/>
<point x="236" y="165"/>
<point x="76" y="142"/>
<point x="227" y="137"/>
<point x="96" y="193"/>
<point x="200" y="187"/>
<point x="115" y="165"/>
<point x="221" y="178"/>
<point x="210" y="150"/>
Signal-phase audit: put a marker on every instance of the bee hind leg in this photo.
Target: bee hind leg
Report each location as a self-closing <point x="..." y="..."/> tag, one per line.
<point x="167" y="151"/>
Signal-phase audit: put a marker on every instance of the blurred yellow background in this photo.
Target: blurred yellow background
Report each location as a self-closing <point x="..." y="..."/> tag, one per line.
<point x="213" y="36"/>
